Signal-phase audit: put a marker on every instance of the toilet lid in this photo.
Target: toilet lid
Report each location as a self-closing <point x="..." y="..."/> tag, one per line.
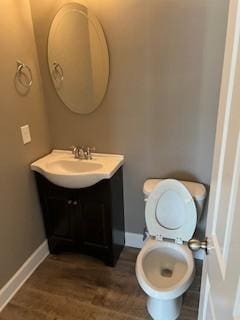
<point x="170" y="211"/>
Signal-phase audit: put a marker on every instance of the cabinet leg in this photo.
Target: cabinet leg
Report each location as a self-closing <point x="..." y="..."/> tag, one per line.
<point x="110" y="262"/>
<point x="112" y="259"/>
<point x="53" y="247"/>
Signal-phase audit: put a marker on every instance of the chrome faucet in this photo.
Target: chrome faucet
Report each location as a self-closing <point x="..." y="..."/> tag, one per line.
<point x="78" y="152"/>
<point x="88" y="153"/>
<point x="81" y="154"/>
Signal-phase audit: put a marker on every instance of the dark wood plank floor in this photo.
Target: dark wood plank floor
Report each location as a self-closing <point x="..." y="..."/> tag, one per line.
<point x="73" y="287"/>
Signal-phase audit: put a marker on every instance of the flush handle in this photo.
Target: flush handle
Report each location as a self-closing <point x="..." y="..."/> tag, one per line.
<point x="196" y="245"/>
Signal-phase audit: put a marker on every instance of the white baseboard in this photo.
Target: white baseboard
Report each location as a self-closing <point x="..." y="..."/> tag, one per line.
<point x="15" y="283"/>
<point x="135" y="240"/>
<point x="199" y="255"/>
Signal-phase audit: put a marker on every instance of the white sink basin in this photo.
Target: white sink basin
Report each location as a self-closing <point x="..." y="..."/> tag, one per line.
<point x="73" y="166"/>
<point x="62" y="169"/>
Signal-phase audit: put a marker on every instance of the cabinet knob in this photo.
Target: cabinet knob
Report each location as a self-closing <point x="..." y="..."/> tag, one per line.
<point x="75" y="203"/>
<point x="69" y="202"/>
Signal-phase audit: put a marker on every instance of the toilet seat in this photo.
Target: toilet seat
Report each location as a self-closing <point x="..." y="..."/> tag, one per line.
<point x="171" y="212"/>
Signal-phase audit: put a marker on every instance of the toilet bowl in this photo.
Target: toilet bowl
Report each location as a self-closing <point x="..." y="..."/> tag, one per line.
<point x="164" y="270"/>
<point x="165" y="266"/>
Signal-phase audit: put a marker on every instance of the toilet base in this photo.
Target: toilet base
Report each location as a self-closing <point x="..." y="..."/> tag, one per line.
<point x="164" y="309"/>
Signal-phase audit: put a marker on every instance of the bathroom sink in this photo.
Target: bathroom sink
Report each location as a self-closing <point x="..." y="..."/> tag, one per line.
<point x="60" y="168"/>
<point x="73" y="166"/>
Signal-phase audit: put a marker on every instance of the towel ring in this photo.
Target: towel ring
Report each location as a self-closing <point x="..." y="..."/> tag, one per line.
<point x="57" y="71"/>
<point x="24" y="71"/>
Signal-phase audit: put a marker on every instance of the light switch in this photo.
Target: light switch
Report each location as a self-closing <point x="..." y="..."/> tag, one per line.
<point x="26" y="136"/>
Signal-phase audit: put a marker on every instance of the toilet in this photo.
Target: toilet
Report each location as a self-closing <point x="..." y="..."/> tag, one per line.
<point x="165" y="265"/>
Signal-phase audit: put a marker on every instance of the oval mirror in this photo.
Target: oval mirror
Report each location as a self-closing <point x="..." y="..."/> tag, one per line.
<point x="78" y="58"/>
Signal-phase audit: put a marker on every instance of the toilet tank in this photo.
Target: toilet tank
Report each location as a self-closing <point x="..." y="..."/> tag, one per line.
<point x="197" y="190"/>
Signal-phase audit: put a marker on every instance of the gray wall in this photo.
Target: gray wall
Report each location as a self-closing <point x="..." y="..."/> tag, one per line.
<point x="161" y="106"/>
<point x="21" y="228"/>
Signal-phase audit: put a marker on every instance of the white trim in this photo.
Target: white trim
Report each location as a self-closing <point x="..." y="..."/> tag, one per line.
<point x="232" y="202"/>
<point x="135" y="240"/>
<point x="236" y="310"/>
<point x="204" y="300"/>
<point x="199" y="255"/>
<point x="15" y="283"/>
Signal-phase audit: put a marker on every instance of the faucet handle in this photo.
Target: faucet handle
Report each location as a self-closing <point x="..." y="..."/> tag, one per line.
<point x="92" y="149"/>
<point x="73" y="149"/>
<point x="89" y="152"/>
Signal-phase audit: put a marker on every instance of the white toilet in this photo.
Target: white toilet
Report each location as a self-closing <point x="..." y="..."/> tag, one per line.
<point x="165" y="265"/>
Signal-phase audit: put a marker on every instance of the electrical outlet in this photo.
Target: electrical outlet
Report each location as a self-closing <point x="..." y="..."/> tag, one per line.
<point x="26" y="136"/>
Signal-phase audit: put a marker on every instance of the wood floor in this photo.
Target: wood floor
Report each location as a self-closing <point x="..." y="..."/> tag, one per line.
<point x="77" y="287"/>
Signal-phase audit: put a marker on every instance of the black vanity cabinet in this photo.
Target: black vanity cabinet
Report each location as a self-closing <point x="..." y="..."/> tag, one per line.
<point x="88" y="220"/>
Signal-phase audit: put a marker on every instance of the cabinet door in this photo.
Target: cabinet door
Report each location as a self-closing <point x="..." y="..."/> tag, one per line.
<point x="62" y="217"/>
<point x="93" y="224"/>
